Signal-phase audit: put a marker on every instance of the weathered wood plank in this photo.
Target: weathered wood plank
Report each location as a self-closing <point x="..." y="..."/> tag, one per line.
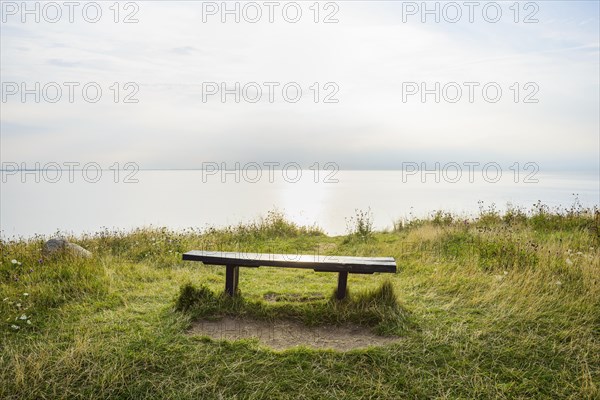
<point x="320" y="263"/>
<point x="342" y="283"/>
<point x="232" y="275"/>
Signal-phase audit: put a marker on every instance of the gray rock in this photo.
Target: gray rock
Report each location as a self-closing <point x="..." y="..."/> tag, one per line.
<point x="62" y="246"/>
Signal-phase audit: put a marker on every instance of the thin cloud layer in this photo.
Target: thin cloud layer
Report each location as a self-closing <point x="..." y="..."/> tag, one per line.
<point x="368" y="57"/>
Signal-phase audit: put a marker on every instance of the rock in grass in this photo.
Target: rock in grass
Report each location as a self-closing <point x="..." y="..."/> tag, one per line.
<point x="62" y="246"/>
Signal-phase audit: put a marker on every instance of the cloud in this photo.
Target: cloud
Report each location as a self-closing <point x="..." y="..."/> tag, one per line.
<point x="185" y="50"/>
<point x="63" y="63"/>
<point x="368" y="55"/>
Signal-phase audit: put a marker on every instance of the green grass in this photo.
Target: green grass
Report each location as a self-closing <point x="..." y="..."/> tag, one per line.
<point x="377" y="308"/>
<point x="501" y="306"/>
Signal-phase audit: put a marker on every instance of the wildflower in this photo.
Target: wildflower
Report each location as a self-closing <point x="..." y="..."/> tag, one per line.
<point x="505" y="272"/>
<point x="14" y="261"/>
<point x="25" y="294"/>
<point x="18" y="305"/>
<point x="15" y="327"/>
<point x="28" y="322"/>
<point x="23" y="317"/>
<point x="569" y="262"/>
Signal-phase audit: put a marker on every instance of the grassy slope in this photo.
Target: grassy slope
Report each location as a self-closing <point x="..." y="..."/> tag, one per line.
<point x="497" y="308"/>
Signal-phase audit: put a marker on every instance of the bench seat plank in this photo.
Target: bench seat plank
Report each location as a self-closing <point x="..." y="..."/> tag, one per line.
<point x="322" y="263"/>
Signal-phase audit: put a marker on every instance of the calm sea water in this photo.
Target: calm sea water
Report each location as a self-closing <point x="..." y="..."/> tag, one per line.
<point x="181" y="199"/>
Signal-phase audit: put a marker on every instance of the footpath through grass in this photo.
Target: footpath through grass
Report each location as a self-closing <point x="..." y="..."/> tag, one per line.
<point x="502" y="306"/>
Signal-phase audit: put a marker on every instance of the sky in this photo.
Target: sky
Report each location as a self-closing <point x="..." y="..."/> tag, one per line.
<point x="367" y="61"/>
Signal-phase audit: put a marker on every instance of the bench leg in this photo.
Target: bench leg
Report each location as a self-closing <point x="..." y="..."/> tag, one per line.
<point x="232" y="274"/>
<point x="342" y="281"/>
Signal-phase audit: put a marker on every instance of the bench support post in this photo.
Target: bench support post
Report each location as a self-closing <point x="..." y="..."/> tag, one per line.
<point x="342" y="281"/>
<point x="232" y="274"/>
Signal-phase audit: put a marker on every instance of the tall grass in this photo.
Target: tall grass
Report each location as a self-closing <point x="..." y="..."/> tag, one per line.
<point x="504" y="305"/>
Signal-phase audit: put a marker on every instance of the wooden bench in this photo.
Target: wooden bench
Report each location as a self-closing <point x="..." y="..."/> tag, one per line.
<point x="319" y="263"/>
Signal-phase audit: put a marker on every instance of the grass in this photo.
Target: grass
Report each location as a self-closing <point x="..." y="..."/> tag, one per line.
<point x="377" y="308"/>
<point x="505" y="305"/>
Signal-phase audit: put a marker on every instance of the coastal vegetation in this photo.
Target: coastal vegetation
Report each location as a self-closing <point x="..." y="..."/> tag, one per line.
<point x="499" y="305"/>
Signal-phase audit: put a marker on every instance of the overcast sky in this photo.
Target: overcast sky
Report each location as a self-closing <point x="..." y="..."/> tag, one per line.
<point x="369" y="57"/>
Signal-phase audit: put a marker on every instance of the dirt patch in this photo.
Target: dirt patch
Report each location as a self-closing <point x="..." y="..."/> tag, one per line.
<point x="281" y="335"/>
